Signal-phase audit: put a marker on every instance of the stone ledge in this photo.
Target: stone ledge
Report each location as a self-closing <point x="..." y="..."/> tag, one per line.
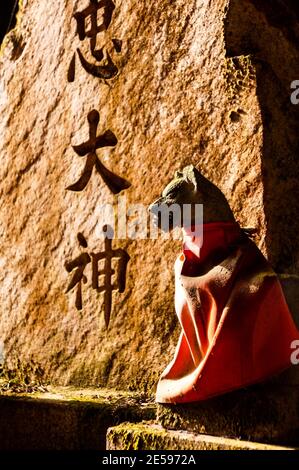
<point x="65" y="418"/>
<point x="143" y="436"/>
<point x="266" y="412"/>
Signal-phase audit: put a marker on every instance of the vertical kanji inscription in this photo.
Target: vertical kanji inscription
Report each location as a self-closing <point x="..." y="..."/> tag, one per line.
<point x="104" y="67"/>
<point x="114" y="279"/>
<point x="114" y="182"/>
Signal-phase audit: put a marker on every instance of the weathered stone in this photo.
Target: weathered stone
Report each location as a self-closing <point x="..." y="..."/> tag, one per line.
<point x="144" y="436"/>
<point x="66" y="418"/>
<point x="269" y="33"/>
<point x="180" y="97"/>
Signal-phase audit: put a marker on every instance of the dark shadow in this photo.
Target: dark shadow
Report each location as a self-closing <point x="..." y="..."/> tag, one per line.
<point x="269" y="32"/>
<point x="8" y="16"/>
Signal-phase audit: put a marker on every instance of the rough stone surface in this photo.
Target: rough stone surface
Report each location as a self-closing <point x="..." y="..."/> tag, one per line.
<point x="144" y="436"/>
<point x="66" y="418"/>
<point x="187" y="91"/>
<point x="269" y="33"/>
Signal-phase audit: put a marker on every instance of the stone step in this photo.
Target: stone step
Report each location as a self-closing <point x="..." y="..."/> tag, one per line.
<point x="145" y="436"/>
<point x="266" y="412"/>
<point x="65" y="418"/>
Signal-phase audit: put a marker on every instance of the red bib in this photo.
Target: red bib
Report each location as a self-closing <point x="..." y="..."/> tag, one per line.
<point x="236" y="326"/>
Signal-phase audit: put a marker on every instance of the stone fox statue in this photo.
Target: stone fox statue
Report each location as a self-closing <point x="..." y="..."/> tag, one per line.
<point x="236" y="326"/>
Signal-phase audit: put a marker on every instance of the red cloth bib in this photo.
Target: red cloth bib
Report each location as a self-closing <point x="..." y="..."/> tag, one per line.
<point x="236" y="326"/>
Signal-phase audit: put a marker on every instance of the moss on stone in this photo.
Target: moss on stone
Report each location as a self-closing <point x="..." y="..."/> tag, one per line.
<point x="136" y="436"/>
<point x="21" y="378"/>
<point x="149" y="436"/>
<point x="66" y="418"/>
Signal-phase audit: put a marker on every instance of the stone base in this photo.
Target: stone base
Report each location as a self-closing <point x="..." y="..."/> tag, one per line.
<point x="66" y="418"/>
<point x="265" y="413"/>
<point x="144" y="436"/>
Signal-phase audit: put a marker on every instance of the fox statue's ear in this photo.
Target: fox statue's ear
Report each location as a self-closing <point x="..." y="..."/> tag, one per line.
<point x="192" y="175"/>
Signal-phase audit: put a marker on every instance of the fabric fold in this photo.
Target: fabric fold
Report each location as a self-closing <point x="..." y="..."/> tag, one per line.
<point x="236" y="326"/>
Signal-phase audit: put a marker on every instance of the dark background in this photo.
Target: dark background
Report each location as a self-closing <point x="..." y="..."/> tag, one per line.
<point x="8" y="11"/>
